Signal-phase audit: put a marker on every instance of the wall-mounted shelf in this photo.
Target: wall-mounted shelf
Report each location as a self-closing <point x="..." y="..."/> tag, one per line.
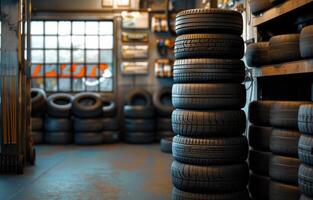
<point x="279" y="10"/>
<point x="289" y="68"/>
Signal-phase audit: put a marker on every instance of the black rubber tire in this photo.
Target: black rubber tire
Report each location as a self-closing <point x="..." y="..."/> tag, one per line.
<point x="210" y="179"/>
<point x="280" y="191"/>
<point x="303" y="197"/>
<point x="211" y="151"/>
<point x="59" y="105"/>
<point x="139" y="137"/>
<point x="38" y="100"/>
<point x="89" y="138"/>
<point x="305" y="149"/>
<point x="209" y="46"/>
<point x="209" y="21"/>
<point x="139" y="125"/>
<point x="204" y="70"/>
<point x="138" y="94"/>
<point x="110" y="124"/>
<point x="181" y="195"/>
<point x="258" y="6"/>
<point x="87" y="105"/>
<point x="138" y="111"/>
<point x="283" y="48"/>
<point x="284" y="114"/>
<point x="306" y="180"/>
<point x="166" y="145"/>
<point x="37" y="137"/>
<point x="259" y="162"/>
<point x="259" y="112"/>
<point x="58" y="137"/>
<point x="58" y="125"/>
<point x="109" y="108"/>
<point x="164" y="134"/>
<point x="257" y="53"/>
<point x="37" y="124"/>
<point x="259" y="137"/>
<point x="284" y="169"/>
<point x="306" y="42"/>
<point x="259" y="187"/>
<point x="208" y="123"/>
<point x="87" y="125"/>
<point x="110" y="137"/>
<point x="164" y="124"/>
<point x="285" y="142"/>
<point x="305" y="119"/>
<point x="163" y="108"/>
<point x="209" y="96"/>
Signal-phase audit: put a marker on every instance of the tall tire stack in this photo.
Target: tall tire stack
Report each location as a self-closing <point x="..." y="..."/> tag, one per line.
<point x="139" y="117"/>
<point x="38" y="100"/>
<point x="259" y="135"/>
<point x="88" y="124"/>
<point x="110" y="122"/>
<point x="58" y="123"/>
<point x="209" y="148"/>
<point x="305" y="152"/>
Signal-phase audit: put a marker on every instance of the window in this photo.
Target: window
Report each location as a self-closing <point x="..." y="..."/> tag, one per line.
<point x="72" y="56"/>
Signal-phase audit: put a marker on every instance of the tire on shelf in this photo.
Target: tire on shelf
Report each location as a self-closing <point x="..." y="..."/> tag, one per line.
<point x="110" y="124"/>
<point x="306" y="42"/>
<point x="109" y="108"/>
<point x="257" y="53"/>
<point x="89" y="138"/>
<point x="305" y="180"/>
<point x="305" y="149"/>
<point x="110" y="137"/>
<point x="138" y="96"/>
<point x="259" y="137"/>
<point x="87" y="105"/>
<point x="139" y="125"/>
<point x="138" y="111"/>
<point x="259" y="187"/>
<point x="259" y="112"/>
<point x="164" y="124"/>
<point x="166" y="145"/>
<point x="162" y="101"/>
<point x="59" y="105"/>
<point x="38" y="101"/>
<point x="259" y="6"/>
<point x="305" y="119"/>
<point x="259" y="162"/>
<point x="281" y="191"/>
<point x="37" y="124"/>
<point x="87" y="125"/>
<point x="58" y="125"/>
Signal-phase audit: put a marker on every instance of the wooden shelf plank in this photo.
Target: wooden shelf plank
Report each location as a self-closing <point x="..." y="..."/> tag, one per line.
<point x="289" y="68"/>
<point x="279" y="10"/>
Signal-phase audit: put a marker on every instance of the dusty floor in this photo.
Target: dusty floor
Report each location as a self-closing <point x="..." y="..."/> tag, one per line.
<point x="121" y="171"/>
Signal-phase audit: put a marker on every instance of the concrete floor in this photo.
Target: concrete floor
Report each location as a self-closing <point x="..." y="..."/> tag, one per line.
<point x="121" y="171"/>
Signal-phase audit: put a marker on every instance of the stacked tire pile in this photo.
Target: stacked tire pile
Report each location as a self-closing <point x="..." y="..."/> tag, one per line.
<point x="259" y="6"/>
<point x="38" y="100"/>
<point x="139" y="117"/>
<point x="110" y="122"/>
<point x="162" y="101"/>
<point x="58" y="123"/>
<point x="209" y="149"/>
<point x="305" y="150"/>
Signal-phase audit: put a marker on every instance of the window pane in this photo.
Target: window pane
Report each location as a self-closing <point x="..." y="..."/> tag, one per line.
<point x="51" y="71"/>
<point x="65" y="28"/>
<point x="106" y="84"/>
<point x="51" y="42"/>
<point x="78" y="84"/>
<point x="106" y="42"/>
<point x="65" y="70"/>
<point x="78" y="28"/>
<point x="37" y="70"/>
<point x="78" y="42"/>
<point x="92" y="56"/>
<point x="51" y="84"/>
<point x="92" y="70"/>
<point x="64" y="56"/>
<point x="92" y="84"/>
<point x="65" y="42"/>
<point x="106" y="56"/>
<point x="78" y="70"/>
<point x="37" y="56"/>
<point x="37" y="83"/>
<point x="37" y="42"/>
<point x="65" y="84"/>
<point x="92" y="42"/>
<point x="106" y="70"/>
<point x="92" y="28"/>
<point x="106" y="28"/>
<point x="37" y="27"/>
<point x="51" y="56"/>
<point x="78" y="56"/>
<point x="51" y="28"/>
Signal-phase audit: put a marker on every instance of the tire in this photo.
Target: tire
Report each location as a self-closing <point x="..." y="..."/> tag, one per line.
<point x="208" y="21"/>
<point x="305" y="119"/>
<point x="88" y="125"/>
<point x="37" y="124"/>
<point x="258" y="6"/>
<point x="166" y="145"/>
<point x="37" y="137"/>
<point x="110" y="137"/>
<point x="204" y="70"/>
<point x="162" y="100"/>
<point x="110" y="124"/>
<point x="284" y="114"/>
<point x="259" y="112"/>
<point x="58" y="137"/>
<point x="259" y="162"/>
<point x="164" y="124"/>
<point x="259" y="137"/>
<point x="211" y="151"/>
<point x="259" y="187"/>
<point x="138" y="96"/>
<point x="305" y="149"/>
<point x="58" y="125"/>
<point x="38" y="100"/>
<point x="209" y="46"/>
<point x="284" y="169"/>
<point x="209" y="96"/>
<point x="139" y="125"/>
<point x="109" y="109"/>
<point x="87" y="105"/>
<point x="135" y="112"/>
<point x="257" y="53"/>
<point x="210" y="179"/>
<point x="89" y="138"/>
<point x="285" y="142"/>
<point x="283" y="48"/>
<point x="306" y="180"/>
<point x="59" y="105"/>
<point x="208" y="123"/>
<point x="181" y="195"/>
<point x="280" y="191"/>
<point x="303" y="197"/>
<point x="306" y="42"/>
<point x="164" y="134"/>
<point x="139" y="137"/>
<point x="303" y="20"/>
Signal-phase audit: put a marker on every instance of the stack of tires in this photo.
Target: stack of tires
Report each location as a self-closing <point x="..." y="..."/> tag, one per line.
<point x="162" y="100"/>
<point x="209" y="149"/>
<point x="38" y="100"/>
<point x="259" y="135"/>
<point x="58" y="123"/>
<point x="139" y="117"/>
<point x="305" y="151"/>
<point x="110" y="122"/>
<point x="88" y="124"/>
